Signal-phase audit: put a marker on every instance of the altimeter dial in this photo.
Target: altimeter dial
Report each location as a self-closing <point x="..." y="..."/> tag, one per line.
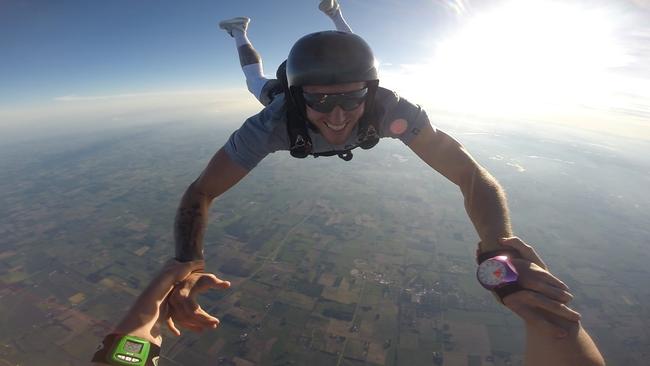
<point x="495" y="271"/>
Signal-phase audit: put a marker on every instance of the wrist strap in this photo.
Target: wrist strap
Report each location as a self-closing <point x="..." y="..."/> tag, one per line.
<point x="505" y="290"/>
<point x="101" y="356"/>
<point x="493" y="253"/>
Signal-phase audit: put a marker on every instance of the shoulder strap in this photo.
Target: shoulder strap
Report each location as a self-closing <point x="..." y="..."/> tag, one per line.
<point x="300" y="145"/>
<point x="368" y="132"/>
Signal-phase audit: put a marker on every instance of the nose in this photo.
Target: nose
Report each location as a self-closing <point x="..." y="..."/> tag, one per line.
<point x="337" y="115"/>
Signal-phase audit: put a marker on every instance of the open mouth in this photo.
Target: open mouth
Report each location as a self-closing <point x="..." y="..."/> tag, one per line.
<point x="336" y="128"/>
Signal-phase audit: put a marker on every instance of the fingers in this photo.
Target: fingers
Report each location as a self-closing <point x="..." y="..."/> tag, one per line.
<point x="525" y="250"/>
<point x="197" y="323"/>
<point x="533" y="317"/>
<point x="196" y="320"/>
<point x="172" y="327"/>
<point x="186" y="311"/>
<point x="542" y="302"/>
<point x="184" y="308"/>
<point x="552" y="317"/>
<point x="551" y="292"/>
<point x="529" y="272"/>
<point x="535" y="278"/>
<point x="194" y="315"/>
<point x="552" y="280"/>
<point x="202" y="319"/>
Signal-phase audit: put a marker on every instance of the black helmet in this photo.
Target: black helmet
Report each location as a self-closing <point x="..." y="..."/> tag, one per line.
<point x="330" y="57"/>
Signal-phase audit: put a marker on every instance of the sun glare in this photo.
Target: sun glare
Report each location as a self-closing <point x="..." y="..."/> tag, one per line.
<point x="524" y="57"/>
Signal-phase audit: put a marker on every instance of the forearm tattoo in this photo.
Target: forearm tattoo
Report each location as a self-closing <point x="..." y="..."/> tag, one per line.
<point x="188" y="232"/>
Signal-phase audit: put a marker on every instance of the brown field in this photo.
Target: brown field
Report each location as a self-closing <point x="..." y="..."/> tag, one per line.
<point x="343" y="296"/>
<point x="296" y="299"/>
<point x="114" y="285"/>
<point x="137" y="226"/>
<point x="454" y="358"/>
<point x="141" y="251"/>
<point x="366" y="220"/>
<point x="376" y="353"/>
<point x="77" y="322"/>
<point x="241" y="362"/>
<point x="7" y="254"/>
<point x="387" y="259"/>
<point x="408" y="340"/>
<point x="216" y="346"/>
<point x="470" y="338"/>
<point x="366" y="330"/>
<point x="327" y="279"/>
<point x="344" y="285"/>
<point x="77" y="298"/>
<point x="339" y="327"/>
<point x="244" y="313"/>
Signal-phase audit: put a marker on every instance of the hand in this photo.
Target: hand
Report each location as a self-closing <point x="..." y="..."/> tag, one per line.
<point x="543" y="302"/>
<point x="184" y="309"/>
<point x="143" y="317"/>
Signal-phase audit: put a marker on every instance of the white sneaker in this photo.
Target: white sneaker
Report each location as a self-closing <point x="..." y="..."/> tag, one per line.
<point x="329" y="7"/>
<point x="240" y="23"/>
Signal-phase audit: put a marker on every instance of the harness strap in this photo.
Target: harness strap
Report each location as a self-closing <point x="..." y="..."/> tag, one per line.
<point x="343" y="154"/>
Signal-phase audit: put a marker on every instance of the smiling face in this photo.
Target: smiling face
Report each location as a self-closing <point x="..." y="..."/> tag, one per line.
<point x="337" y="125"/>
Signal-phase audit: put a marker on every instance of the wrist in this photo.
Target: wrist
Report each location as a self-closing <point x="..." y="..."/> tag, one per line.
<point x="483" y="255"/>
<point x="119" y="349"/>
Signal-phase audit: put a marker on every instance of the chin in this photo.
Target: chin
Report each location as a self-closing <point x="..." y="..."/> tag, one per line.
<point x="335" y="139"/>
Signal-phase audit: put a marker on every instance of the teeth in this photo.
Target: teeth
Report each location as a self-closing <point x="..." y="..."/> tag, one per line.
<point x="335" y="127"/>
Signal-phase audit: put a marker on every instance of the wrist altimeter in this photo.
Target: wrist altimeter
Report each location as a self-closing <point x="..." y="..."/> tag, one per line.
<point x="125" y="350"/>
<point x="497" y="273"/>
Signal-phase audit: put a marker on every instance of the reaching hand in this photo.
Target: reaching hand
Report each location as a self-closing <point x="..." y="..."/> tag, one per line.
<point x="150" y="308"/>
<point x="543" y="302"/>
<point x="185" y="311"/>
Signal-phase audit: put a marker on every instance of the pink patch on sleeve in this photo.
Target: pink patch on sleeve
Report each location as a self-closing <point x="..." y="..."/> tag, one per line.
<point x="398" y="126"/>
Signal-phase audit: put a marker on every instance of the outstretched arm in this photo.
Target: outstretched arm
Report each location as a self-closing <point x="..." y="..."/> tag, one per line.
<point x="485" y="200"/>
<point x="192" y="214"/>
<point x="189" y="228"/>
<point x="553" y="330"/>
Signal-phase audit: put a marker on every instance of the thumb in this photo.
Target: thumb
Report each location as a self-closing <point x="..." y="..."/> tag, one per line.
<point x="526" y="251"/>
<point x="208" y="281"/>
<point x="180" y="270"/>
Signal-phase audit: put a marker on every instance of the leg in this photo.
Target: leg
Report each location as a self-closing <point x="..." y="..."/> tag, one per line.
<point x="249" y="59"/>
<point x="332" y="9"/>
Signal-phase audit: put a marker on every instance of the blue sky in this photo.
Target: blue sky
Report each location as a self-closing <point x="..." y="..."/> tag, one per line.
<point x="53" y="48"/>
<point x="570" y="60"/>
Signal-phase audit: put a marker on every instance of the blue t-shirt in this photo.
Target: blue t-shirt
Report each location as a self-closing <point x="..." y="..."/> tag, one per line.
<point x="266" y="132"/>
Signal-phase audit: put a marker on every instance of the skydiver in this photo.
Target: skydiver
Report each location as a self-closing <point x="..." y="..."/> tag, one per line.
<point x="329" y="103"/>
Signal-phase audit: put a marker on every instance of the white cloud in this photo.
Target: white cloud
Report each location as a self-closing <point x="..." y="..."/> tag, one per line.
<point x="78" y="98"/>
<point x="88" y="112"/>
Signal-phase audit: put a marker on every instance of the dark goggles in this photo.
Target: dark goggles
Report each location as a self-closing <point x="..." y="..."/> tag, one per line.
<point x="325" y="103"/>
